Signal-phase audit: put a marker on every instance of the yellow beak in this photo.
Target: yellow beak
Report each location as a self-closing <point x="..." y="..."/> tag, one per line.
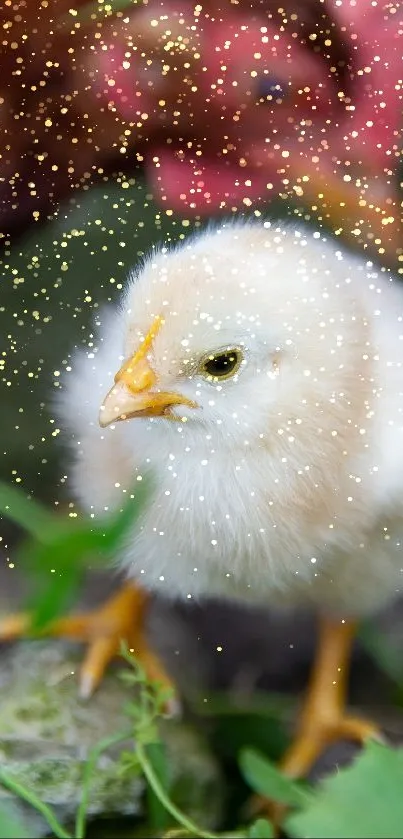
<point x="132" y="394"/>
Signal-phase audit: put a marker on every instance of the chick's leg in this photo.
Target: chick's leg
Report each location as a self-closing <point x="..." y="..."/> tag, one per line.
<point x="120" y="619"/>
<point x="324" y="719"/>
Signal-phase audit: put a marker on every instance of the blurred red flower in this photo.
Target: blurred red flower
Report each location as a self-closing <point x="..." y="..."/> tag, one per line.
<point x="240" y="105"/>
<point x="227" y="107"/>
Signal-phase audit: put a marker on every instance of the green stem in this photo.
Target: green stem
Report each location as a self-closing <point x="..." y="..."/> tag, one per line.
<point x="93" y="757"/>
<point x="154" y="782"/>
<point x="188" y="825"/>
<point x="36" y="803"/>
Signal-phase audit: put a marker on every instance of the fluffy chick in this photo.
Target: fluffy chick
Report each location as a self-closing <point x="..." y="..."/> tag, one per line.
<point x="280" y="482"/>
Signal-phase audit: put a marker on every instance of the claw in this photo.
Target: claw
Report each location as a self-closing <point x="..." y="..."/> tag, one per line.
<point x="104" y="629"/>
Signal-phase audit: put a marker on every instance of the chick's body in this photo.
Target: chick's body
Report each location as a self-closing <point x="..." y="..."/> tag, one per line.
<point x="284" y="485"/>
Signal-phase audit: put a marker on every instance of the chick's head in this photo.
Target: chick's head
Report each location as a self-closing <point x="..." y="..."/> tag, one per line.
<point x="223" y="332"/>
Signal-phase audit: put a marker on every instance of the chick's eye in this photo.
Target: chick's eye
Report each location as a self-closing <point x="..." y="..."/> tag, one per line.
<point x="221" y="365"/>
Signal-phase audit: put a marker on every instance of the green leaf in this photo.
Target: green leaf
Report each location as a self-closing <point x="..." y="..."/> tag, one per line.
<point x="53" y="592"/>
<point x="158" y="817"/>
<point x="55" y="559"/>
<point x="11" y="826"/>
<point x="27" y="513"/>
<point x="265" y="779"/>
<point x="364" y="799"/>
<point x="261" y="829"/>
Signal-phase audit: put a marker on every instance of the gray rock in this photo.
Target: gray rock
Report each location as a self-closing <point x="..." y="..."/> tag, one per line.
<point x="47" y="732"/>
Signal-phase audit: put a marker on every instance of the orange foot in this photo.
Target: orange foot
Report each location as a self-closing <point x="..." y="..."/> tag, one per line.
<point x="324" y="719"/>
<point x="119" y="620"/>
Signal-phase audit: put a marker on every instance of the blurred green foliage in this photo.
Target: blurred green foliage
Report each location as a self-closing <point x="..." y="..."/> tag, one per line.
<point x="361" y="800"/>
<point x="66" y="543"/>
